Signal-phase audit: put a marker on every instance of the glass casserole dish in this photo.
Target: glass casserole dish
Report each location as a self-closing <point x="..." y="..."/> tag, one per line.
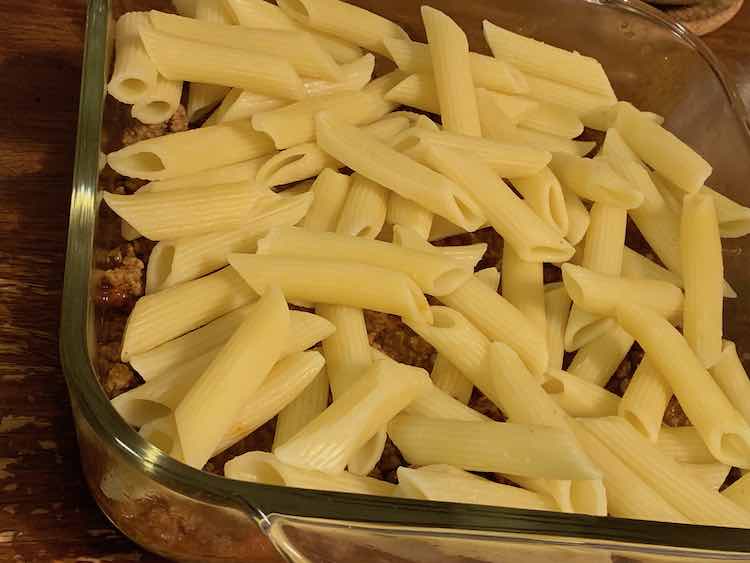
<point x="189" y="515"/>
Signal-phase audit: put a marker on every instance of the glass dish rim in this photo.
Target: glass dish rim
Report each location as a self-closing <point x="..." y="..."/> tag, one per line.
<point x="265" y="500"/>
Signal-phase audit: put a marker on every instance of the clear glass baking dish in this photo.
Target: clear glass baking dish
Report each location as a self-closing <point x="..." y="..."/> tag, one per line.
<point x="189" y="515"/>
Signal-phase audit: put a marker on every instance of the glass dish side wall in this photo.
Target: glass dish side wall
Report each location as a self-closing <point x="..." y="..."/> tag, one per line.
<point x="189" y="516"/>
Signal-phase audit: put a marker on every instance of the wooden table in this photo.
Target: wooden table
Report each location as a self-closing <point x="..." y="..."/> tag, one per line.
<point x="46" y="513"/>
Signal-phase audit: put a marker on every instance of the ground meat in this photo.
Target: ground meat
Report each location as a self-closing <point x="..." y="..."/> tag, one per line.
<point x="122" y="282"/>
<point x="391" y="336"/>
<point x="482" y="404"/>
<point x="140" y="131"/>
<point x="390" y="461"/>
<point x="619" y="382"/>
<point x="259" y="441"/>
<point x="487" y="235"/>
<point x="674" y="415"/>
<point x="551" y="273"/>
<point x="119" y="378"/>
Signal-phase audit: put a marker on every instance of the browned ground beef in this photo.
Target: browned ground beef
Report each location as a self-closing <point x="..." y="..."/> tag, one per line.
<point x="391" y="336"/>
<point x="140" y="131"/>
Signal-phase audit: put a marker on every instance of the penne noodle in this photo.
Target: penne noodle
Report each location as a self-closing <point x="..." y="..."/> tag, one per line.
<point x="573" y="99"/>
<point x="554" y="120"/>
<point x="515" y="108"/>
<point x="447" y="378"/>
<point x="578" y="397"/>
<point x="628" y="494"/>
<point x="739" y="492"/>
<point x="578" y="217"/>
<point x="540" y="59"/>
<point x="159" y="103"/>
<point x="241" y="104"/>
<point x="336" y="283"/>
<point x="418" y="91"/>
<point x="601" y="294"/>
<point x="406" y="213"/>
<point x="189" y="211"/>
<point x="432" y="482"/>
<point x="376" y="161"/>
<point x="330" y="191"/>
<point x="734" y="219"/>
<point x="434" y="274"/>
<point x="162" y="433"/>
<point x="603" y="119"/>
<point x="229" y="174"/>
<point x="295" y="124"/>
<point x="557" y="308"/>
<point x="645" y="400"/>
<point x="661" y="150"/>
<point x="712" y="475"/>
<point x="637" y="266"/>
<point x="296" y="163"/>
<point x="134" y="74"/>
<point x="500" y="447"/>
<point x="208" y="409"/>
<point x="194" y="61"/>
<point x="684" y="444"/>
<point x="730" y="375"/>
<point x="468" y="256"/>
<point x="668" y="478"/>
<point x="595" y="180"/>
<point x="182" y="154"/>
<point x="364" y="211"/>
<point x="346" y="21"/>
<point x="184" y="259"/>
<point x="724" y="430"/>
<point x="544" y="195"/>
<point x="597" y="361"/>
<point x="312" y="401"/>
<point x="703" y="275"/>
<point x="520" y="227"/>
<point x="449" y="52"/>
<point x="523" y="287"/>
<point x="160" y="317"/>
<point x="329" y="441"/>
<point x="263" y="467"/>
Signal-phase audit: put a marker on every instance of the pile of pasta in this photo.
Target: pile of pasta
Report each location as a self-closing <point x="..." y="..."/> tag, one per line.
<point x="222" y="352"/>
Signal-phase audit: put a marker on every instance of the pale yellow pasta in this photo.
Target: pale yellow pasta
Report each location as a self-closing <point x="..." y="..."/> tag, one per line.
<point x="635" y="265"/>
<point x="347" y="21"/>
<point x="739" y="492"/>
<point x="543" y="193"/>
<point x="418" y="91"/>
<point x="675" y="484"/>
<point x="208" y="409"/>
<point x="295" y="123"/>
<point x="730" y="375"/>
<point x="684" y="444"/>
<point x="523" y="286"/>
<point x="703" y="275"/>
<point x="449" y="379"/>
<point x="578" y="217"/>
<point x="189" y="211"/>
<point x="160" y="317"/>
<point x="662" y="150"/>
<point x="515" y="108"/>
<point x="347" y="350"/>
<point x="455" y="485"/>
<point x="712" y="475"/>
<point x="374" y="160"/>
<point x="734" y="219"/>
<point x="134" y="73"/>
<point x="540" y="59"/>
<point x="296" y="163"/>
<point x="194" y="61"/>
<point x="724" y="430"/>
<point x="502" y="447"/>
<point x="329" y="441"/>
<point x="554" y="120"/>
<point x="330" y="191"/>
<point x="159" y="103"/>
<point x="241" y="104"/>
<point x="603" y="118"/>
<point x="229" y="174"/>
<point x="578" y="397"/>
<point x="312" y="401"/>
<point x="181" y="154"/>
<point x="645" y="400"/>
<point x="466" y="255"/>
<point x="557" y="308"/>
<point x="597" y="361"/>
<point x="410" y="214"/>
<point x="184" y="259"/>
<point x="449" y="51"/>
<point x="263" y="467"/>
<point x="364" y="211"/>
<point x="335" y="283"/>
<point x="574" y="99"/>
<point x="436" y="403"/>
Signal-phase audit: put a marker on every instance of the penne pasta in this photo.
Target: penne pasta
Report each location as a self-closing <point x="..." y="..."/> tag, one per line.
<point x="432" y="482"/>
<point x="557" y="308"/>
<point x="296" y="163"/>
<point x="637" y="266"/>
<point x="515" y="108"/>
<point x="418" y="91"/>
<point x="438" y="403"/>
<point x="335" y="283"/>
<point x="703" y="274"/>
<point x="724" y="430"/>
<point x="597" y="361"/>
<point x="540" y="59"/>
<point x="330" y="191"/>
<point x="406" y="213"/>
<point x="603" y="119"/>
<point x="162" y="433"/>
<point x="523" y="287"/>
<point x="468" y="256"/>
<point x="734" y="219"/>
<point x="208" y="409"/>
<point x="578" y="397"/>
<point x="194" y="61"/>
<point x="376" y="161"/>
<point x="580" y="102"/>
<point x="645" y="400"/>
<point x="578" y="217"/>
<point x="449" y="379"/>
<point x="182" y="154"/>
<point x="229" y="174"/>
<point x="449" y="52"/>
<point x="263" y="467"/>
<point x="712" y="475"/>
<point x="364" y="211"/>
<point x="434" y="274"/>
<point x="730" y="375"/>
<point x="739" y="492"/>
<point x="159" y="103"/>
<point x="501" y="447"/>
<point x="134" y="74"/>
<point x="239" y="104"/>
<point x="544" y="195"/>
<point x="675" y="484"/>
<point x="329" y="441"/>
<point x="684" y="444"/>
<point x="553" y="120"/>
<point x="346" y="21"/>
<point x="160" y="317"/>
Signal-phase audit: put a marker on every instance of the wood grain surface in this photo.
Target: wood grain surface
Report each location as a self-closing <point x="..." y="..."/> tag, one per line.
<point x="46" y="513"/>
